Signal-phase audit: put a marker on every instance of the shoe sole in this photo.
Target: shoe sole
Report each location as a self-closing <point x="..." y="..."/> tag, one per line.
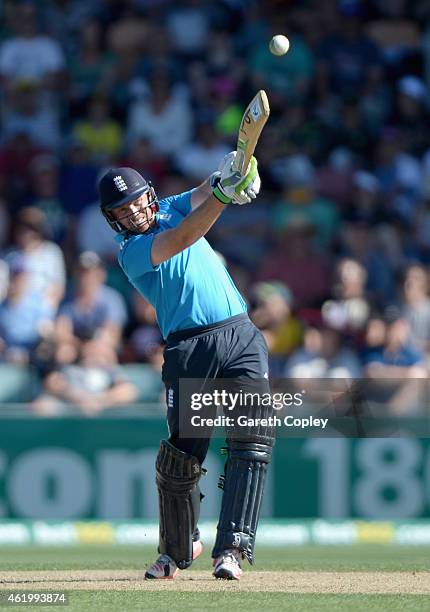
<point x="225" y="574"/>
<point x="151" y="577"/>
<point x="197" y="551"/>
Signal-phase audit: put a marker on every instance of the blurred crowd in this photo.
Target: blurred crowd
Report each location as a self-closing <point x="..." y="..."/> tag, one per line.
<point x="333" y="256"/>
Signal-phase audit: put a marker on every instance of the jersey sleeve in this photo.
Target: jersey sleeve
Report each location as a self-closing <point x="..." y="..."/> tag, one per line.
<point x="134" y="256"/>
<point x="181" y="202"/>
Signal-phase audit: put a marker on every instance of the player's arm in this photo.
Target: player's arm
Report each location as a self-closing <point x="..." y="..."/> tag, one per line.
<point x="230" y="186"/>
<point x="201" y="193"/>
<point x="192" y="228"/>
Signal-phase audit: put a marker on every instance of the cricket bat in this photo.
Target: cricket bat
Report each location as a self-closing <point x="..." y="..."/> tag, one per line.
<point x="251" y="126"/>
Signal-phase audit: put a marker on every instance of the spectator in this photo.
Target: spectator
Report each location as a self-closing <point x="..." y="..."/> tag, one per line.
<point x="410" y="113"/>
<point x="188" y="24"/>
<point x="416" y="306"/>
<point x="87" y="65"/>
<point x="93" y="234"/>
<point x="143" y="158"/>
<point x="28" y="113"/>
<point x="145" y="343"/>
<point x="359" y="243"/>
<point x="349" y="309"/>
<point x="272" y="314"/>
<point x="394" y="368"/>
<point x="78" y="178"/>
<point x="296" y="262"/>
<point x="399" y="173"/>
<point x="93" y="384"/>
<point x="16" y="155"/>
<point x="323" y="356"/>
<point x="163" y="117"/>
<point x="348" y="62"/>
<point x="93" y="310"/>
<point x="30" y="55"/>
<point x="98" y="133"/>
<point x="199" y="158"/>
<point x="43" y="259"/>
<point x="398" y="357"/>
<point x="300" y="199"/>
<point x="45" y="194"/>
<point x="26" y="317"/>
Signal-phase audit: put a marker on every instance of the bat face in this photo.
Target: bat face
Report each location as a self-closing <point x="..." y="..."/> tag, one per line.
<point x="251" y="126"/>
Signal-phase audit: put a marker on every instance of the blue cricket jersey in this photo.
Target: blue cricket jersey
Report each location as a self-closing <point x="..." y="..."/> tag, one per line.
<point x="191" y="288"/>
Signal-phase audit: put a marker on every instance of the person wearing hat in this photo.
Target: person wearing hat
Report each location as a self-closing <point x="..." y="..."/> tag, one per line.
<point x="208" y="334"/>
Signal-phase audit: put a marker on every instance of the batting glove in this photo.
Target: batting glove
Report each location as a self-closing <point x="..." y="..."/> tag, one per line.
<point x="231" y="186"/>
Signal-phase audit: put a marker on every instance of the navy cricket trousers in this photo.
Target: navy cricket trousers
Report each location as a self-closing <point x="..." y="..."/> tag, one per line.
<point x="233" y="348"/>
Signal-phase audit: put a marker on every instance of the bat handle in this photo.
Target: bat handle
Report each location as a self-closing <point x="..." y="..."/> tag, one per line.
<point x="239" y="161"/>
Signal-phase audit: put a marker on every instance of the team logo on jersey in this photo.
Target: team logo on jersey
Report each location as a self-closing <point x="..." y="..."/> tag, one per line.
<point x="119" y="183"/>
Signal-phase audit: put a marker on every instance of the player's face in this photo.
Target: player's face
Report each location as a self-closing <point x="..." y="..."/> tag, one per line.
<point x="136" y="216"/>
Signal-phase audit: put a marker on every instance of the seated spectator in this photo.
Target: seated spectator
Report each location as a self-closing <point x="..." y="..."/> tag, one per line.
<point x="349" y="309"/>
<point x="145" y="344"/>
<point x="416" y="306"/>
<point x="94" y="234"/>
<point x="349" y="63"/>
<point x="143" y="158"/>
<point x="323" y="356"/>
<point x="188" y="24"/>
<point x="26" y="317"/>
<point x="91" y="385"/>
<point x="410" y="113"/>
<point x="199" y="158"/>
<point x="400" y="174"/>
<point x="27" y="112"/>
<point x="87" y="65"/>
<point x="398" y="357"/>
<point x="43" y="259"/>
<point x="45" y="195"/>
<point x="298" y="177"/>
<point x="394" y="368"/>
<point x="271" y="313"/>
<point x="29" y="54"/>
<point x="98" y="132"/>
<point x="16" y="155"/>
<point x="164" y="117"/>
<point x="358" y="242"/>
<point x="297" y="263"/>
<point x="333" y="180"/>
<point x="93" y="310"/>
<point x="78" y="179"/>
<point x="365" y="200"/>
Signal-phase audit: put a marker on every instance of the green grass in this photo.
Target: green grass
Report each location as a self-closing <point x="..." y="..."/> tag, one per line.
<point x="327" y="558"/>
<point x="361" y="557"/>
<point x="102" y="601"/>
<point x="238" y="602"/>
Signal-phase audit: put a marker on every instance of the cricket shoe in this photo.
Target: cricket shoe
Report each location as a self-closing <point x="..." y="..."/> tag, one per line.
<point x="227" y="565"/>
<point x="165" y="568"/>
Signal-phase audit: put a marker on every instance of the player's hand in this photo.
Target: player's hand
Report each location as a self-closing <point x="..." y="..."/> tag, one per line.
<point x="231" y="186"/>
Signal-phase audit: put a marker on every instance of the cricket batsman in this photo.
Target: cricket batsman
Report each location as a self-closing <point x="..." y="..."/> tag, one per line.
<point x="208" y="334"/>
